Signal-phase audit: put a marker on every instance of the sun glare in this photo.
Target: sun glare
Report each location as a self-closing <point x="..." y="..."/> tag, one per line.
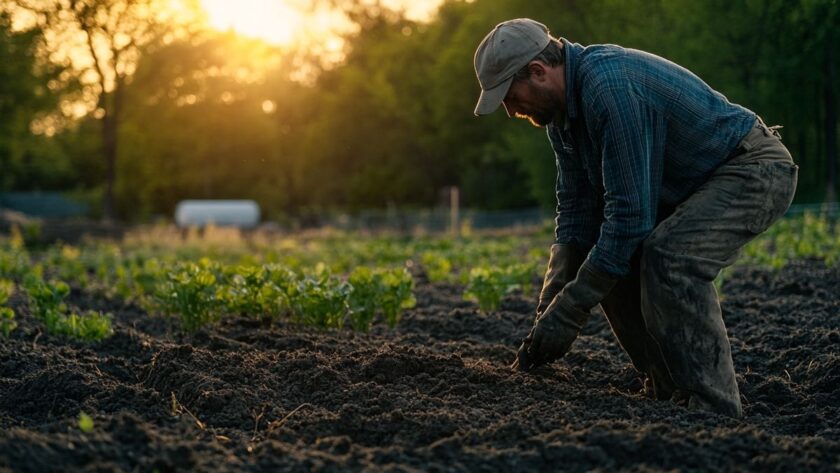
<point x="270" y="20"/>
<point x="281" y="23"/>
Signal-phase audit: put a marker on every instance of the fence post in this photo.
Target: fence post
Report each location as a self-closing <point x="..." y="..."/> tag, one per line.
<point x="454" y="204"/>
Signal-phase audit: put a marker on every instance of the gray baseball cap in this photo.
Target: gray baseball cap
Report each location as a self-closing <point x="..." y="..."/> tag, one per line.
<point x="502" y="53"/>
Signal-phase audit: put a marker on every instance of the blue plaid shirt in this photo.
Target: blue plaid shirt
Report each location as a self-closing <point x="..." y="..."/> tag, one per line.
<point x="640" y="134"/>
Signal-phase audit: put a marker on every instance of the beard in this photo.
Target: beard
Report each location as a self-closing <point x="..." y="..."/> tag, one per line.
<point x="546" y="109"/>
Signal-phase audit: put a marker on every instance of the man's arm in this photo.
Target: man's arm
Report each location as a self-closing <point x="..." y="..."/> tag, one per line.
<point x="577" y="218"/>
<point x="629" y="133"/>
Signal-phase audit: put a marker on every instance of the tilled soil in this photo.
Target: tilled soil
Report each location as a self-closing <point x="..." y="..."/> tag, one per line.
<point x="435" y="394"/>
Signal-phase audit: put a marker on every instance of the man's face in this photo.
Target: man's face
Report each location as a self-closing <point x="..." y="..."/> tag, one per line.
<point x="532" y="101"/>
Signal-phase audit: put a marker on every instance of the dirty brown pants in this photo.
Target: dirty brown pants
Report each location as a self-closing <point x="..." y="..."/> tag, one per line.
<point x="666" y="313"/>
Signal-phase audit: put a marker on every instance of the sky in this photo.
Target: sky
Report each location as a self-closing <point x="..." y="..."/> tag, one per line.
<point x="284" y="22"/>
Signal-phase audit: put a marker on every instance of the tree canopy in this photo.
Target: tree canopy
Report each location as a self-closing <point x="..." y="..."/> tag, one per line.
<point x="213" y="115"/>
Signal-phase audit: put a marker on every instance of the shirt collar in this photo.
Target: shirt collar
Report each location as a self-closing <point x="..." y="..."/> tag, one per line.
<point x="571" y="53"/>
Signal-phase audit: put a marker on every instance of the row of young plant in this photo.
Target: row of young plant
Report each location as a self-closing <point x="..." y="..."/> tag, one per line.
<point x="489" y="268"/>
<point x="806" y="236"/>
<point x="442" y="258"/>
<point x="45" y="298"/>
<point x="199" y="293"/>
<point x="202" y="292"/>
<point x="201" y="282"/>
<point x="7" y="314"/>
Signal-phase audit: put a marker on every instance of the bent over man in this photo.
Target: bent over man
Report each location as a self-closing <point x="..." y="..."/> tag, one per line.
<point x="660" y="181"/>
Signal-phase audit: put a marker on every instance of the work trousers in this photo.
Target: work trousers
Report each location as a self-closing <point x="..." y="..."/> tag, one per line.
<point x="666" y="313"/>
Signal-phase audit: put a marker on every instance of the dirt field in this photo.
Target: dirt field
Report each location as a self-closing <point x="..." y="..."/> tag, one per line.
<point x="434" y="395"/>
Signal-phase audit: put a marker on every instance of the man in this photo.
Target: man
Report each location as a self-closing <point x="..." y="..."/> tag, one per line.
<point x="661" y="180"/>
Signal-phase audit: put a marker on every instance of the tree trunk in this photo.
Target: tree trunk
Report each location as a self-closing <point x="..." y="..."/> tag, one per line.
<point x="109" y="149"/>
<point x="110" y="127"/>
<point x="831" y="119"/>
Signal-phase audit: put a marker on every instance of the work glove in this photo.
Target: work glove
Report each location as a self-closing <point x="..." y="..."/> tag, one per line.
<point x="559" y="325"/>
<point x="563" y="265"/>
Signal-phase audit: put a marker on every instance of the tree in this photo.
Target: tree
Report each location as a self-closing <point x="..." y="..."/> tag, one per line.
<point x="25" y="93"/>
<point x="102" y="40"/>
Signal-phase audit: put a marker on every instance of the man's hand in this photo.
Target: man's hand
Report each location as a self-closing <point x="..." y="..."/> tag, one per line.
<point x="552" y="335"/>
<point x="558" y="326"/>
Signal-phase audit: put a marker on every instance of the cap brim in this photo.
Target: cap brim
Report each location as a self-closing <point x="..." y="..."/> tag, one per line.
<point x="490" y="99"/>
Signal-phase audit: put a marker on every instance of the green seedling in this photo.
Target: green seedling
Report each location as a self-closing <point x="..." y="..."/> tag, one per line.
<point x="14" y="262"/>
<point x="438" y="267"/>
<point x="89" y="326"/>
<point x="363" y="298"/>
<point x="372" y="291"/>
<point x="7" y="321"/>
<point x="487" y="284"/>
<point x="252" y="291"/>
<point x="190" y="293"/>
<point x="7" y="288"/>
<point x="7" y="314"/>
<point x="397" y="287"/>
<point x="319" y="300"/>
<point x="46" y="298"/>
<point x="85" y="422"/>
<point x="241" y="294"/>
<point x="66" y="262"/>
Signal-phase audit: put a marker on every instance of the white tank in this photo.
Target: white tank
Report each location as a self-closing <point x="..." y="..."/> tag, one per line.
<point x="221" y="213"/>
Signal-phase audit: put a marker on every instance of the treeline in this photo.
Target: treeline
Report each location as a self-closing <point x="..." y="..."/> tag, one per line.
<point x="215" y="116"/>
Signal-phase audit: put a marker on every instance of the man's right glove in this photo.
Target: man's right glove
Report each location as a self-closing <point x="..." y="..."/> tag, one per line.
<point x="563" y="265"/>
<point x="557" y="327"/>
<point x="552" y="335"/>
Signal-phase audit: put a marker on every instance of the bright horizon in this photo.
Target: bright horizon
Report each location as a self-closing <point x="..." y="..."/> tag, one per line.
<point x="282" y="22"/>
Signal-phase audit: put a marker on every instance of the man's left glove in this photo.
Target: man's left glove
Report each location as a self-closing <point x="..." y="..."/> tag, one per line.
<point x="559" y="325"/>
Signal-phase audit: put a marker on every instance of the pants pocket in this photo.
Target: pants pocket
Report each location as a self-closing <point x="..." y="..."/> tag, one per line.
<point x="780" y="179"/>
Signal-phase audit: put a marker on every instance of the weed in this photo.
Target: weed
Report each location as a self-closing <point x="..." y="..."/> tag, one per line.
<point x="89" y="326"/>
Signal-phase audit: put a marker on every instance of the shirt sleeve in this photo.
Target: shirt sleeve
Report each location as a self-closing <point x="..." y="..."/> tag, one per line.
<point x="577" y="218"/>
<point x="624" y="128"/>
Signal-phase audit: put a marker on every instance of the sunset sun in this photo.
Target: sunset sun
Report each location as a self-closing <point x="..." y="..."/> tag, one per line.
<point x="270" y="20"/>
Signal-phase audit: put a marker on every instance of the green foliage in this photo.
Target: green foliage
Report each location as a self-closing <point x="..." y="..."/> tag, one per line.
<point x="135" y="280"/>
<point x="14" y="257"/>
<point x="201" y="293"/>
<point x="7" y="289"/>
<point x="438" y="267"/>
<point x="805" y="236"/>
<point x="396" y="294"/>
<point x="27" y="160"/>
<point x="363" y="299"/>
<point x="88" y="326"/>
<point x="46" y="301"/>
<point x="257" y="291"/>
<point x="287" y="279"/>
<point x="488" y="284"/>
<point x="320" y="301"/>
<point x="190" y="291"/>
<point x="67" y="264"/>
<point x="46" y="298"/>
<point x="7" y="315"/>
<point x="385" y="291"/>
<point x="192" y="120"/>
<point x="13" y="263"/>
<point x="7" y="320"/>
